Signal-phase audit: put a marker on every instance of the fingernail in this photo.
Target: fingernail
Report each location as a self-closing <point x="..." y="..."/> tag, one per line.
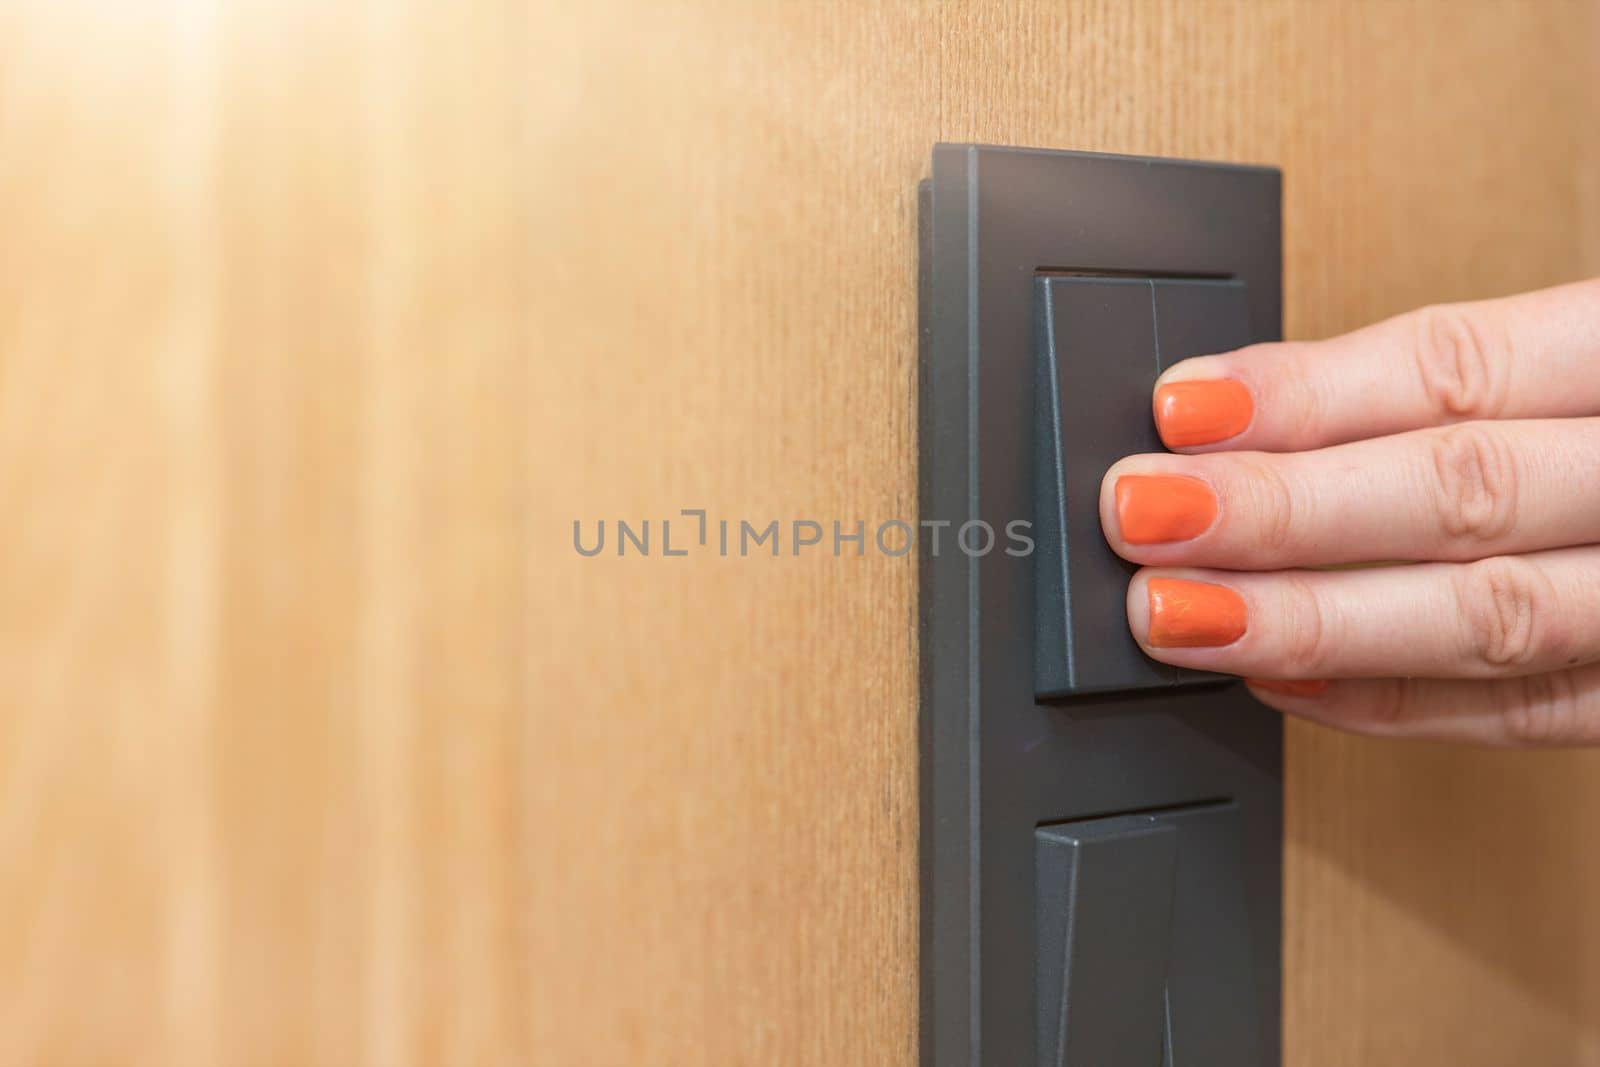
<point x="1308" y="687"/>
<point x="1186" y="614"/>
<point x="1153" y="508"/>
<point x="1202" y="412"/>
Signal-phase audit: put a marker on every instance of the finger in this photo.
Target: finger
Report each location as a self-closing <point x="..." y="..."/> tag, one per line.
<point x="1558" y="708"/>
<point x="1509" y="615"/>
<point x="1456" y="493"/>
<point x="1520" y="357"/>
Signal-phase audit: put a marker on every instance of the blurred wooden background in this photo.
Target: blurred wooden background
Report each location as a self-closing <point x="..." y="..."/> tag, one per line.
<point x="321" y="322"/>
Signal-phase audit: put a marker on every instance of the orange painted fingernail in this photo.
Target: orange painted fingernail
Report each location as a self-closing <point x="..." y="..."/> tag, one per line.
<point x="1185" y="614"/>
<point x="1153" y="508"/>
<point x="1307" y="687"/>
<point x="1202" y="412"/>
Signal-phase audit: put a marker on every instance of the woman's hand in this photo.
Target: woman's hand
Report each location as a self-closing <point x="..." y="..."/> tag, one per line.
<point x="1463" y="440"/>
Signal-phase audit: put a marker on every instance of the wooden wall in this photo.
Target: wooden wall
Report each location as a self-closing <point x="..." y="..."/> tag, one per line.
<point x="321" y="323"/>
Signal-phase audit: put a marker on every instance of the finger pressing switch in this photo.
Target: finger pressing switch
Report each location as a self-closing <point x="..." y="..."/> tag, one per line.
<point x="1100" y="343"/>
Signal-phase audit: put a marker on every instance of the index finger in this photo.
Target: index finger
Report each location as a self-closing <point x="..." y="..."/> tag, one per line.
<point x="1535" y="355"/>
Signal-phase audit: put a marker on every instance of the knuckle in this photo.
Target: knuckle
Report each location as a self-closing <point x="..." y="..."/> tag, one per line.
<point x="1390" y="709"/>
<point x="1306" y="631"/>
<point x="1273" y="504"/>
<point x="1463" y="365"/>
<point x="1475" y="483"/>
<point x="1507" y="604"/>
<point x="1305" y="386"/>
<point x="1542" y="709"/>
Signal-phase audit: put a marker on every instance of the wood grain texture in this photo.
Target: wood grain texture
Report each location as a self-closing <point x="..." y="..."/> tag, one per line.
<point x="725" y="791"/>
<point x="319" y="326"/>
<point x="264" y="353"/>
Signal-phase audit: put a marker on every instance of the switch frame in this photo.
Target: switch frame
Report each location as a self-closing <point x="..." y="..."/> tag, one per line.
<point x="996" y="763"/>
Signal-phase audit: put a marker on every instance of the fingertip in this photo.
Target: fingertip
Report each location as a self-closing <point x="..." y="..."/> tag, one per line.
<point x="1110" y="522"/>
<point x="1108" y="509"/>
<point x="1196" y="367"/>
<point x="1139" y="609"/>
<point x="1297" y="688"/>
<point x="1156" y="509"/>
<point x="1108" y="481"/>
<point x="1200" y="412"/>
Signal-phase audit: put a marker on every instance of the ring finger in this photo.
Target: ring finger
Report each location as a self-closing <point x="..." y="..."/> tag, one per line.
<point x="1508" y="615"/>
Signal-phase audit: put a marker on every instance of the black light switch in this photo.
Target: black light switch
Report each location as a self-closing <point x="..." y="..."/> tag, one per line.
<point x="1212" y="985"/>
<point x="1100" y="343"/>
<point x="1144" y="950"/>
<point x="1104" y="901"/>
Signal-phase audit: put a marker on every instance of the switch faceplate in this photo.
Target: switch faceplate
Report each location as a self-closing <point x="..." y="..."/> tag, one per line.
<point x="1099" y="345"/>
<point x="1014" y="748"/>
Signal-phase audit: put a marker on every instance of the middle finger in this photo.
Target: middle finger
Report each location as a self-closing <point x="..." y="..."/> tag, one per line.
<point x="1455" y="493"/>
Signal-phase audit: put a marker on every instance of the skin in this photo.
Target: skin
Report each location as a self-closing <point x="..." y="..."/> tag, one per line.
<point x="1462" y="439"/>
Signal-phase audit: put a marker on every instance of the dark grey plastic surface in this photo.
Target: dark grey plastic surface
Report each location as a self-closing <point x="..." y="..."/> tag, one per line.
<point x="1100" y="344"/>
<point x="1213" y="993"/>
<point x="997" y="763"/>
<point x="1103" y="906"/>
<point x="1144" y="945"/>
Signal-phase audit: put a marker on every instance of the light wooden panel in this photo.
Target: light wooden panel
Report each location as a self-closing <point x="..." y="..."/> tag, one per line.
<point x="724" y="795"/>
<point x="264" y="364"/>
<point x="321" y="323"/>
